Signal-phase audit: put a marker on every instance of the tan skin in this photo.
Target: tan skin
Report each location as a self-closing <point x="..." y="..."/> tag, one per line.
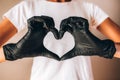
<point x="107" y="27"/>
<point x="7" y="30"/>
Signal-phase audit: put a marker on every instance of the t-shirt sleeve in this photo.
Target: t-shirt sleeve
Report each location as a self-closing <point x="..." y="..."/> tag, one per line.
<point x="97" y="15"/>
<point x="18" y="15"/>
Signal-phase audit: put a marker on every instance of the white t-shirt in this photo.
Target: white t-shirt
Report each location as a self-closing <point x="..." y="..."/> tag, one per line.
<point x="78" y="68"/>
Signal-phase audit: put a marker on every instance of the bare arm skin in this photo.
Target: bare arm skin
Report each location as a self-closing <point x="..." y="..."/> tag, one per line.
<point x="112" y="31"/>
<point x="2" y="56"/>
<point x="7" y="30"/>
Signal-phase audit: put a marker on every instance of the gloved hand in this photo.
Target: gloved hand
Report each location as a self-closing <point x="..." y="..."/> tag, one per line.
<point x="31" y="45"/>
<point x="86" y="43"/>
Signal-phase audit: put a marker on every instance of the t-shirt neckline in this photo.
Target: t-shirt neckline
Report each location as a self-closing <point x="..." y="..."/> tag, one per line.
<point x="58" y="3"/>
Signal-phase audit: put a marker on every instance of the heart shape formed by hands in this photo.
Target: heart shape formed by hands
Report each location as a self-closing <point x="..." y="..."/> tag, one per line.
<point x="86" y="43"/>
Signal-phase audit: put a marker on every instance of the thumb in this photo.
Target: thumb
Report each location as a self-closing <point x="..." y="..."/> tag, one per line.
<point x="63" y="30"/>
<point x="68" y="55"/>
<point x="50" y="54"/>
<point x="65" y="26"/>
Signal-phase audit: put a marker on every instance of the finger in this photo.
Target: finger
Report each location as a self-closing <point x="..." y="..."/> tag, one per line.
<point x="35" y="23"/>
<point x="55" y="33"/>
<point x="65" y="26"/>
<point x="50" y="54"/>
<point x="80" y="19"/>
<point x="62" y="29"/>
<point x="61" y="33"/>
<point x="68" y="55"/>
<point x="84" y="22"/>
<point x="81" y="22"/>
<point x="49" y="21"/>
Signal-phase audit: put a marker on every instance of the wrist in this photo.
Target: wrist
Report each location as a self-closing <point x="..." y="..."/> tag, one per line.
<point x="2" y="56"/>
<point x="117" y="53"/>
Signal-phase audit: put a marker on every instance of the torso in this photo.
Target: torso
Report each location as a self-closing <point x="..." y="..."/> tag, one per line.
<point x="77" y="68"/>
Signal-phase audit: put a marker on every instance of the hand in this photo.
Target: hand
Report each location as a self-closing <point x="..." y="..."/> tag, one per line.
<point x="85" y="42"/>
<point x="31" y="45"/>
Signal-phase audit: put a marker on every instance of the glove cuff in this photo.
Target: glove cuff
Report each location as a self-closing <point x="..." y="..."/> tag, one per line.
<point x="8" y="55"/>
<point x="110" y="50"/>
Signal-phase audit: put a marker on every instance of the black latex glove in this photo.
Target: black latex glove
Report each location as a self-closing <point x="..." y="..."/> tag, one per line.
<point x="31" y="45"/>
<point x="86" y="44"/>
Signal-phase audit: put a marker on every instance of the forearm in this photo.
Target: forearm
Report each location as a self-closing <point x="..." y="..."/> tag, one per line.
<point x="2" y="56"/>
<point x="7" y="30"/>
